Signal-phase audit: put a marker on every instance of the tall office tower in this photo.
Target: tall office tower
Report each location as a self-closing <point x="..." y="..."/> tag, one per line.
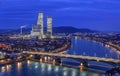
<point x="40" y="23"/>
<point x="49" y="26"/>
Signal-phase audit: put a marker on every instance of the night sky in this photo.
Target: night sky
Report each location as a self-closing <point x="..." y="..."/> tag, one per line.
<point x="93" y="14"/>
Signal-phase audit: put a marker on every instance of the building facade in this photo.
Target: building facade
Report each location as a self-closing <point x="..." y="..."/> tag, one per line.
<point x="49" y="26"/>
<point x="38" y="29"/>
<point x="40" y="22"/>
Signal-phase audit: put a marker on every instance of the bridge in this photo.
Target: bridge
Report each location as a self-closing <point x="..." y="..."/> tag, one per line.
<point x="76" y="56"/>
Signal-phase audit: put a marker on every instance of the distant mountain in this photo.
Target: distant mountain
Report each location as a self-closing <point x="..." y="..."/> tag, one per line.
<point x="61" y="29"/>
<point x="117" y="32"/>
<point x="69" y="29"/>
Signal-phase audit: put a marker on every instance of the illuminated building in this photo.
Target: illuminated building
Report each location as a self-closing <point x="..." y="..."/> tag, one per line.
<point x="49" y="26"/>
<point x="37" y="30"/>
<point x="40" y="23"/>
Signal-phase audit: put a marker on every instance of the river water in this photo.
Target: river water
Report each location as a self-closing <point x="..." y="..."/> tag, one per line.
<point x="79" y="47"/>
<point x="91" y="48"/>
<point x="30" y="68"/>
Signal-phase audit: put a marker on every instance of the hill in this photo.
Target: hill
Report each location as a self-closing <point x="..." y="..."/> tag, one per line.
<point x="61" y="29"/>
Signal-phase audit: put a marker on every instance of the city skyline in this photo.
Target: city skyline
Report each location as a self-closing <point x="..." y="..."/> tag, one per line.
<point x="59" y="37"/>
<point x="92" y="14"/>
<point x="38" y="29"/>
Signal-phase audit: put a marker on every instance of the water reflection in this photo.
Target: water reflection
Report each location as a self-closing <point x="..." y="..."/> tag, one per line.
<point x="56" y="69"/>
<point x="28" y="63"/>
<point x="42" y="69"/>
<point x="36" y="65"/>
<point x="73" y="72"/>
<point x="83" y="73"/>
<point x="8" y="67"/>
<point x="49" y="68"/>
<point x="65" y="73"/>
<point x="3" y="69"/>
<point x="91" y="48"/>
<point x="19" y="64"/>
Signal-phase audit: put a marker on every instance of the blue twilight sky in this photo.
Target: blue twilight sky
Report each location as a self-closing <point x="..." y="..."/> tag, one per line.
<point x="93" y="14"/>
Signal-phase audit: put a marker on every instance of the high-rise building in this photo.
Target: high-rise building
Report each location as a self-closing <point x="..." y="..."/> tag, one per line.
<point x="49" y="26"/>
<point x="40" y="23"/>
<point x="37" y="30"/>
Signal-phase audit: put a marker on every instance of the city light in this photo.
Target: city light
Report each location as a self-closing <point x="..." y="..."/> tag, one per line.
<point x="61" y="38"/>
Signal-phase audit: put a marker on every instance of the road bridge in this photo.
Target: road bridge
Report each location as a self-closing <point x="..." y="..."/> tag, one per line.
<point x="76" y="56"/>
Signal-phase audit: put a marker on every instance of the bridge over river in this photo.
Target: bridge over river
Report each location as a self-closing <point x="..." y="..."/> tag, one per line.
<point x="109" y="60"/>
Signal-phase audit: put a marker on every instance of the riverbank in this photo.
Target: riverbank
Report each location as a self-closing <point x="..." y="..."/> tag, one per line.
<point x="62" y="49"/>
<point x="6" y="62"/>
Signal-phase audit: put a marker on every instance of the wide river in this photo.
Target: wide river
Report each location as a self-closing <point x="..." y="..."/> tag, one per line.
<point x="79" y="47"/>
<point x="91" y="48"/>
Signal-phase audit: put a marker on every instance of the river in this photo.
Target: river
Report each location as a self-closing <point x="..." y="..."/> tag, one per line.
<point x="91" y="48"/>
<point x="78" y="47"/>
<point x="30" y="68"/>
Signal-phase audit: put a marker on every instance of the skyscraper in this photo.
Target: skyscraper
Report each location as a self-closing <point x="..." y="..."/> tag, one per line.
<point x="38" y="29"/>
<point x="40" y="23"/>
<point x="49" y="26"/>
